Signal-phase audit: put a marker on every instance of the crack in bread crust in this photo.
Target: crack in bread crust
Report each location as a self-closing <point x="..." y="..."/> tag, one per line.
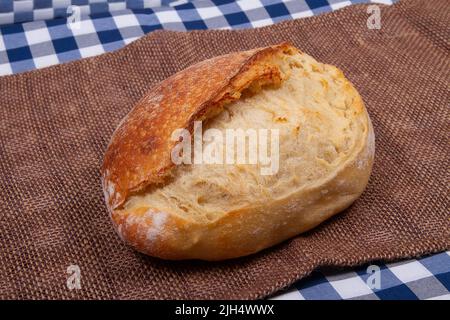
<point x="176" y="103"/>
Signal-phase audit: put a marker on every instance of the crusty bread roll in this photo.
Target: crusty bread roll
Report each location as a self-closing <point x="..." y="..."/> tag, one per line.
<point x="214" y="211"/>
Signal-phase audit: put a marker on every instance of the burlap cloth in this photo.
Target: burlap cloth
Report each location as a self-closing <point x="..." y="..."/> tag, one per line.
<point x="56" y="123"/>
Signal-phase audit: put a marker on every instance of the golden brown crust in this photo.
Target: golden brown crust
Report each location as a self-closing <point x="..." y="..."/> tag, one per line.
<point x="139" y="156"/>
<point x="139" y="151"/>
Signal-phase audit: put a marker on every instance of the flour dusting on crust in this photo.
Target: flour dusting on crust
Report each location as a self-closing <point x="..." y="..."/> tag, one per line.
<point x="369" y="153"/>
<point x="158" y="221"/>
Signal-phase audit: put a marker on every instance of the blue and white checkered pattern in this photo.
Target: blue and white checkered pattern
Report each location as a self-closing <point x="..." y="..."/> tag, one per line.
<point x="37" y="44"/>
<point x="426" y="278"/>
<point x="15" y="11"/>
<point x="107" y="25"/>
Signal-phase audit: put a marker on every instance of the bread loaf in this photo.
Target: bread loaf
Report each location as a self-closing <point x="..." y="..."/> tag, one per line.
<point x="215" y="211"/>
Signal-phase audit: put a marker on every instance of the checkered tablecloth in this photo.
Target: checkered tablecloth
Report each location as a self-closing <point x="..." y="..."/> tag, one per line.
<point x="40" y="43"/>
<point x="36" y="34"/>
<point x="425" y="278"/>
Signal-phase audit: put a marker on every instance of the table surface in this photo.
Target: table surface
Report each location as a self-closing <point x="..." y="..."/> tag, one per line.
<point x="35" y="34"/>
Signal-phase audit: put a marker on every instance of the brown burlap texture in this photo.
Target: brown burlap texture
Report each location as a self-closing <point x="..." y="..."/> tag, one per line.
<point x="56" y="123"/>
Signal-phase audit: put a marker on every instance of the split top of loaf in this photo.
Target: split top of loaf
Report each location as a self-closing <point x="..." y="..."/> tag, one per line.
<point x="323" y="130"/>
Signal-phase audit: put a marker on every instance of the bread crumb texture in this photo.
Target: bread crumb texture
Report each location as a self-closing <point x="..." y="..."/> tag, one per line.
<point x="319" y="129"/>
